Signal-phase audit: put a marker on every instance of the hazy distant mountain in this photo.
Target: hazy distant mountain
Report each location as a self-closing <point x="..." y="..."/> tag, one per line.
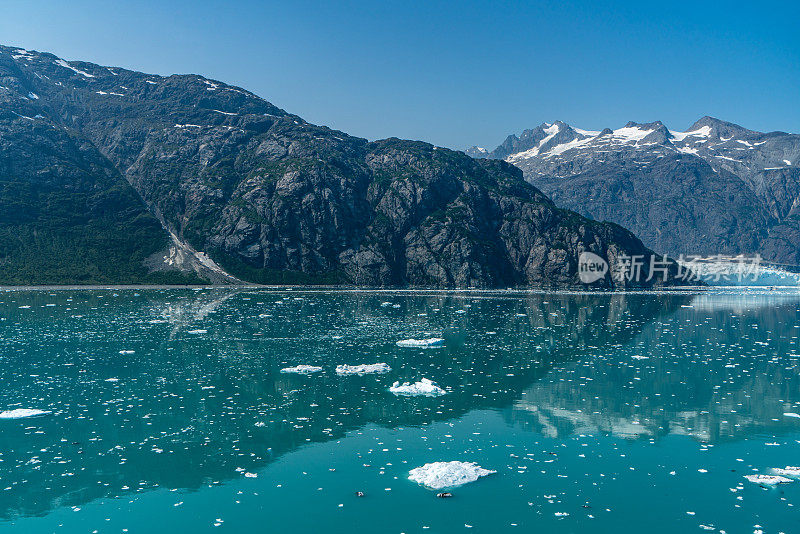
<point x="111" y="175"/>
<point x="714" y="188"/>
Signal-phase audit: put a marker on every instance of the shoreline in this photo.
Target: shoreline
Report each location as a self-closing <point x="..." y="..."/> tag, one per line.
<point x="680" y="290"/>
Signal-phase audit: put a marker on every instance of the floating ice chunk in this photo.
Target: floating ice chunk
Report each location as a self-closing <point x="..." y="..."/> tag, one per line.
<point x="385" y="304"/>
<point x="23" y="413"/>
<point x="197" y="331"/>
<point x="431" y="342"/>
<point x="362" y="369"/>
<point x="423" y="388"/>
<point x="302" y="369"/>
<point x="769" y="480"/>
<point x="112" y="379"/>
<point x="791" y="414"/>
<point x="639" y="357"/>
<point x="788" y="471"/>
<point x="127" y="351"/>
<point x="439" y="475"/>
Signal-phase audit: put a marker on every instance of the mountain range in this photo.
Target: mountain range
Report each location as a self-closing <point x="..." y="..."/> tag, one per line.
<point x="716" y="188"/>
<point x="108" y="175"/>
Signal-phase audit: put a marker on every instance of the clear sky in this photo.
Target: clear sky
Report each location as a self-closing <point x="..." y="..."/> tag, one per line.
<point x="452" y="73"/>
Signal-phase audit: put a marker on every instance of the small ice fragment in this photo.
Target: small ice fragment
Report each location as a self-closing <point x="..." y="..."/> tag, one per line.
<point x="127" y="351"/>
<point x="439" y="475"/>
<point x="385" y="304"/>
<point x="769" y="480"/>
<point x="639" y="357"/>
<point x="302" y="369"/>
<point x="362" y="369"/>
<point x="421" y="343"/>
<point x="112" y="379"/>
<point x="423" y="388"/>
<point x="197" y="331"/>
<point x="791" y="414"/>
<point x="22" y="413"/>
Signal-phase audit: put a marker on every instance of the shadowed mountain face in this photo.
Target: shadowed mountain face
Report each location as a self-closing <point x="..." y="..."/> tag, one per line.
<point x="716" y="188"/>
<point x="245" y="188"/>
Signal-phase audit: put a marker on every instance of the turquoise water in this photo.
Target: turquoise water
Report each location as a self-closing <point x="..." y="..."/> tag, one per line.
<point x="600" y="413"/>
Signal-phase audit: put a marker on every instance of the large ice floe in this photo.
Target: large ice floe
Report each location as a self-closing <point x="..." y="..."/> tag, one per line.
<point x="23" y="413"/>
<point x="439" y="475"/>
<point x="302" y="369"/>
<point x="423" y="388"/>
<point x="430" y="343"/>
<point x="362" y="369"/>
<point x="768" y="480"/>
<point x="788" y="471"/>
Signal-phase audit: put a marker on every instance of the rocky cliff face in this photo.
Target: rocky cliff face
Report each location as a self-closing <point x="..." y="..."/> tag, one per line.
<point x="716" y="188"/>
<point x="242" y="186"/>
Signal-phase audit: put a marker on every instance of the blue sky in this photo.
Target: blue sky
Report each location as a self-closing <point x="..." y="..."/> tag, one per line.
<point x="454" y="74"/>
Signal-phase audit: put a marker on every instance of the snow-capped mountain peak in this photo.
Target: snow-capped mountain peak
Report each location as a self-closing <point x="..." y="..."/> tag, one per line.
<point x="724" y="183"/>
<point x="556" y="148"/>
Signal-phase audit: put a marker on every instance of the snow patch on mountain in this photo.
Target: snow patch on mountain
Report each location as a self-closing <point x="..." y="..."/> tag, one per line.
<point x="66" y="65"/>
<point x="631" y="134"/>
<point x="703" y="131"/>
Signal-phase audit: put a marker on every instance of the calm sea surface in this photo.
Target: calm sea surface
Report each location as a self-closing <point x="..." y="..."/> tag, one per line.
<point x="600" y="412"/>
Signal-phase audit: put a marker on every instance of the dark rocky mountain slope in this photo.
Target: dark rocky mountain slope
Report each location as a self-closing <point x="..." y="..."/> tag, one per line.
<point x="187" y="173"/>
<point x="716" y="188"/>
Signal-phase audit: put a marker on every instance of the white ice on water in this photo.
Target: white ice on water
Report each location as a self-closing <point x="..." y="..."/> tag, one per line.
<point x="769" y="480"/>
<point x="22" y="413"/>
<point x="362" y="369"/>
<point x="788" y="471"/>
<point x="302" y="369"/>
<point x="421" y="343"/>
<point x="439" y="475"/>
<point x="423" y="388"/>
